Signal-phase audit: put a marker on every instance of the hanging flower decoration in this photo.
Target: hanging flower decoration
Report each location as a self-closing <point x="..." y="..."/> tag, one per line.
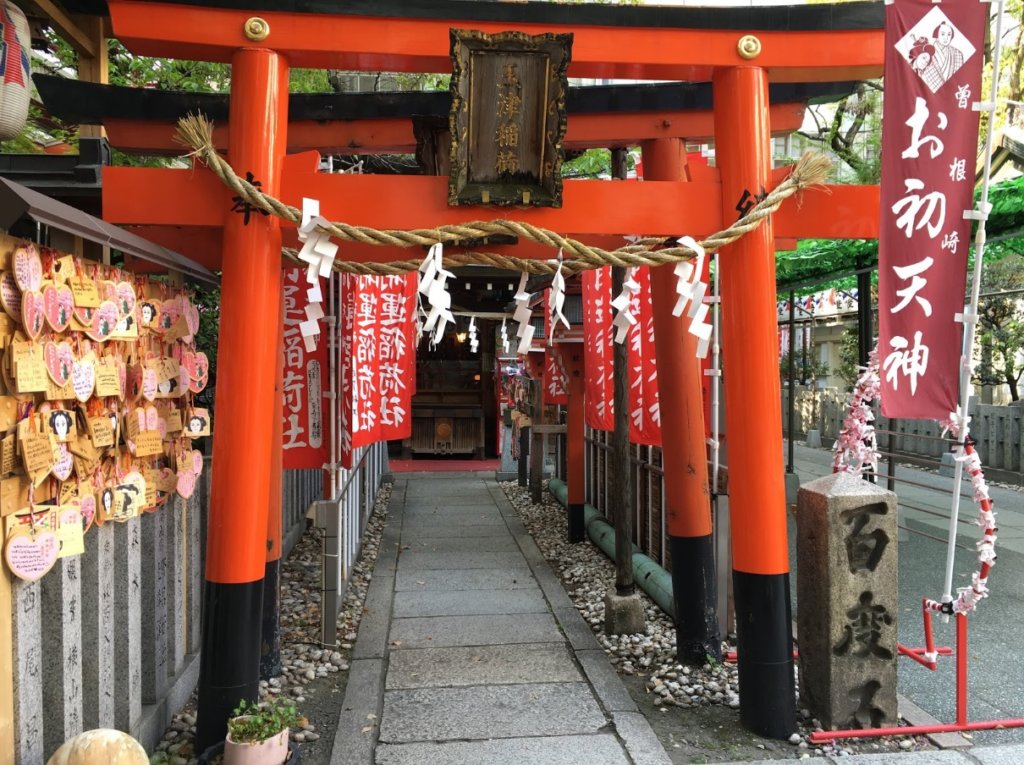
<point x="856" y="448"/>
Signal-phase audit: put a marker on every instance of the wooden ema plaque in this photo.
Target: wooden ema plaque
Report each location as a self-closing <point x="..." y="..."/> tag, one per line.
<point x="508" y="118"/>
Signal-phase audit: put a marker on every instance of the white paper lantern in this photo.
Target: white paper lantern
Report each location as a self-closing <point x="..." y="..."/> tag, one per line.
<point x="15" y="82"/>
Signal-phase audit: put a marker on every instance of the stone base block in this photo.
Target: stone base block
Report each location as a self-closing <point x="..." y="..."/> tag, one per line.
<point x="623" y="615"/>
<point x="814" y="439"/>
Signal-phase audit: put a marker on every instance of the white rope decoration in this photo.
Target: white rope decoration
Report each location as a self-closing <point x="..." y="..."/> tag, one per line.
<point x="474" y="343"/>
<point x="504" y="337"/>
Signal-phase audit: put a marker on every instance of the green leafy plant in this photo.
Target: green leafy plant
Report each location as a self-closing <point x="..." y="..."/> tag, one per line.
<point x="251" y="723"/>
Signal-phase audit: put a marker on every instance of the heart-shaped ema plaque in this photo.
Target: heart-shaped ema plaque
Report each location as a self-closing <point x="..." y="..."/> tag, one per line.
<point x="31" y="556"/>
<point x="32" y="314"/>
<point x="28" y="268"/>
<point x="58" y="307"/>
<point x="58" y="358"/>
<point x="104" y="320"/>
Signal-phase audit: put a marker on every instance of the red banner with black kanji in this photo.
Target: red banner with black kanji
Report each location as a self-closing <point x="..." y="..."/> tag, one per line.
<point x="929" y="149"/>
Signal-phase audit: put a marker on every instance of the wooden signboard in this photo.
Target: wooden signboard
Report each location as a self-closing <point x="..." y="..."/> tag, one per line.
<point x="508" y="118"/>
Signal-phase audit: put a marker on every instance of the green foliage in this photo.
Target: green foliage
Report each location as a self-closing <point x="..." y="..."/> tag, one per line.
<point x="806" y="368"/>
<point x="1001" y="324"/>
<point x="849" y="355"/>
<point x="251" y="723"/>
<point x="207" y="300"/>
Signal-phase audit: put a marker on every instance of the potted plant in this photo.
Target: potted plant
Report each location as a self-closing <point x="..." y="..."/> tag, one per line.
<point x="258" y="733"/>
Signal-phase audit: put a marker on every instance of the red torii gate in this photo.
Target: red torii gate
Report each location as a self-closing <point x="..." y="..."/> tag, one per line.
<point x="737" y="49"/>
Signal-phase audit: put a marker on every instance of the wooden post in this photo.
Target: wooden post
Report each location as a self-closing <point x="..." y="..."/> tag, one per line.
<point x="757" y="494"/>
<point x="621" y="494"/>
<point x="270" y="644"/>
<point x="537" y="439"/>
<point x="575" y="437"/>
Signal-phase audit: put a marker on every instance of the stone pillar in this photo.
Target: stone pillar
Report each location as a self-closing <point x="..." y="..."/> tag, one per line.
<point x="154" y="616"/>
<point x="62" y="653"/>
<point x="128" y="626"/>
<point x="172" y="514"/>
<point x="98" y="628"/>
<point x="195" y="517"/>
<point x="28" y="671"/>
<point x="847" y="601"/>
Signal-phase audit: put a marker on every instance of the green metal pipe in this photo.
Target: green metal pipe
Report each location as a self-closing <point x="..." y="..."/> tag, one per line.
<point x="651" y="577"/>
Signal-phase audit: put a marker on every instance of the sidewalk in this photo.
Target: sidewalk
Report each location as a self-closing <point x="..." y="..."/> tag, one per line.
<point x="470" y="651"/>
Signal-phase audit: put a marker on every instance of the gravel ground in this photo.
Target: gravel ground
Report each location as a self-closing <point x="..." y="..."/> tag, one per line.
<point x="315" y="677"/>
<point x="693" y="710"/>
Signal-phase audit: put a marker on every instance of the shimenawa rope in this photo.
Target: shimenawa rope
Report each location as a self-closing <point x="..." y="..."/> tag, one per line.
<point x="196" y="132"/>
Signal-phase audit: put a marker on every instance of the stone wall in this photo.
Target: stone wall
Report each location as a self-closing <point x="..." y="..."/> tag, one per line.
<point x="111" y="638"/>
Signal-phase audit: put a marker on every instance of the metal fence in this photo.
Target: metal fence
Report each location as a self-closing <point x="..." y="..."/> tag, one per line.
<point x="344" y="519"/>
<point x="111" y="638"/>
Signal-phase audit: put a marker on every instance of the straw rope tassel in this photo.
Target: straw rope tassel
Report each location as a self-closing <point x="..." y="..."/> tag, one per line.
<point x="196" y="132"/>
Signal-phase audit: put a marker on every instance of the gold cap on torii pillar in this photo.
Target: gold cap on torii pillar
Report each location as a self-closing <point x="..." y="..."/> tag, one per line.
<point x="749" y="47"/>
<point x="256" y="29"/>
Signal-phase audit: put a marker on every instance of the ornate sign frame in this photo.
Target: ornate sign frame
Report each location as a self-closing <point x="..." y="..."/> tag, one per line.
<point x="508" y="117"/>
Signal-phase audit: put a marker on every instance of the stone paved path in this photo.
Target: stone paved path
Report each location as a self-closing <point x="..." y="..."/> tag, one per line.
<point x="470" y="651"/>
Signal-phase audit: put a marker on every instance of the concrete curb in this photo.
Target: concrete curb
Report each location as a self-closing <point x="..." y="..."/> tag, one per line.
<point x="355" y="739"/>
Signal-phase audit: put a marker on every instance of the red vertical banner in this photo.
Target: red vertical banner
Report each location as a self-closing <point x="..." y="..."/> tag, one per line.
<point x="377" y="359"/>
<point x="929" y="147"/>
<point x="359" y="364"/>
<point x="597" y="349"/>
<point x="397" y="354"/>
<point x="306" y="377"/>
<point x="644" y="412"/>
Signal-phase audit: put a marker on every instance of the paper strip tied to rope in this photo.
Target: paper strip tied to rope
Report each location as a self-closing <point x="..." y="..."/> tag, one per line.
<point x="318" y="253"/>
<point x="691" y="290"/>
<point x="556" y="301"/>
<point x="433" y="284"/>
<point x="623" y="302"/>
<point x="196" y="132"/>
<point x="522" y="315"/>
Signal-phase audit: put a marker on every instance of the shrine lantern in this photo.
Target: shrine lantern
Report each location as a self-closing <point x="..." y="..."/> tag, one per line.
<point x="14" y="70"/>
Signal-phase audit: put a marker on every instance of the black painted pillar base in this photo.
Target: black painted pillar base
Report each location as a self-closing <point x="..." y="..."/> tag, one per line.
<point x="270" y="643"/>
<point x="229" y="668"/>
<point x="764" y="634"/>
<point x="524" y="457"/>
<point x="695" y="593"/>
<point x="577" y="527"/>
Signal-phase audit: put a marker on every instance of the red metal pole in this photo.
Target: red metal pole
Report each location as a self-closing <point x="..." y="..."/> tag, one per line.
<point x="575" y="435"/>
<point x="684" y="451"/>
<point x="757" y="497"/>
<point x="249" y="324"/>
<point x="961" y="669"/>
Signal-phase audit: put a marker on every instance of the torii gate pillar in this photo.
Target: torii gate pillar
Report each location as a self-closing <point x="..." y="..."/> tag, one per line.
<point x="757" y="496"/>
<point x="684" y="451"/>
<point x="249" y="322"/>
